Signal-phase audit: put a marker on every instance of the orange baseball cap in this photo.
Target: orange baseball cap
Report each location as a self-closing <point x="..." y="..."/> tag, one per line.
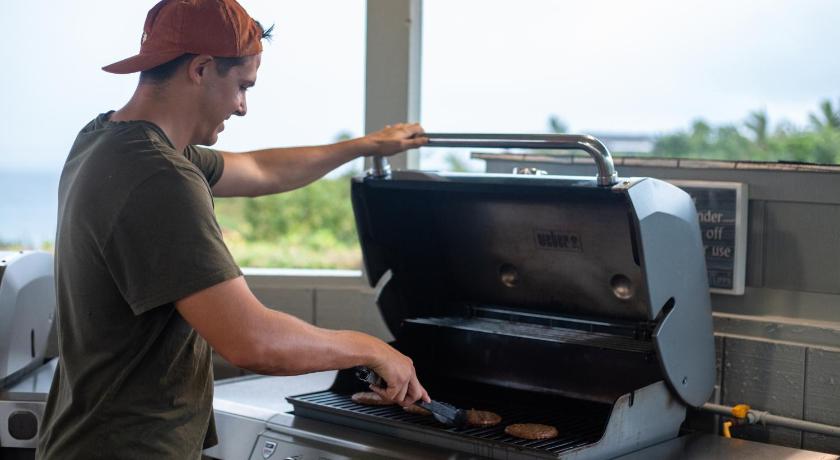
<point x="175" y="27"/>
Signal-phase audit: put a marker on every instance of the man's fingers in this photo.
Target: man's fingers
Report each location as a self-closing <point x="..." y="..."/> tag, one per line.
<point x="412" y="128"/>
<point x="398" y="138"/>
<point x="378" y="390"/>
<point x="393" y="392"/>
<point x="415" y="130"/>
<point x="424" y="395"/>
<point x="416" y="391"/>
<point x="398" y="370"/>
<point x="389" y="394"/>
<point x="416" y="142"/>
<point x="400" y="399"/>
<point x="405" y="395"/>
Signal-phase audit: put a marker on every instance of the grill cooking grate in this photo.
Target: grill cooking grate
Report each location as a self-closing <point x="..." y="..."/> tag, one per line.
<point x="577" y="427"/>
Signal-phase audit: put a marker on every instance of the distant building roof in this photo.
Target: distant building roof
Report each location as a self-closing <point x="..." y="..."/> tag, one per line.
<point x="627" y="143"/>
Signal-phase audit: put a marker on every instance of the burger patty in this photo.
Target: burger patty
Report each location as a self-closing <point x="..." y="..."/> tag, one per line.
<point x="532" y="431"/>
<point x="415" y="409"/>
<point x="369" y="398"/>
<point x="482" y="418"/>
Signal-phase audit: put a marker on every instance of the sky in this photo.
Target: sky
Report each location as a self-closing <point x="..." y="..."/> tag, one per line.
<point x="644" y="67"/>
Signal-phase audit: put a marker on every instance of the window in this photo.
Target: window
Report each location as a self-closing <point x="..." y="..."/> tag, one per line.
<point x="51" y="88"/>
<point x="310" y="90"/>
<point x="701" y="79"/>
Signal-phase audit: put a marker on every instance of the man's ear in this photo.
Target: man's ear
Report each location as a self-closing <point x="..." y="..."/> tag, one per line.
<point x="198" y="67"/>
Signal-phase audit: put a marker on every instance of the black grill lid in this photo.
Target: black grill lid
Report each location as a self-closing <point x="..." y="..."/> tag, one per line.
<point x="556" y="246"/>
<point x="546" y="244"/>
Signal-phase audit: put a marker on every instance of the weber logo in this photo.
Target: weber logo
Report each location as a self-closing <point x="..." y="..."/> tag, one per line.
<point x="268" y="449"/>
<point x="558" y="240"/>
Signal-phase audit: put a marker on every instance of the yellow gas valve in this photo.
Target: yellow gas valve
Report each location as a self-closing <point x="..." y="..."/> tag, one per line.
<point x="740" y="411"/>
<point x="726" y="426"/>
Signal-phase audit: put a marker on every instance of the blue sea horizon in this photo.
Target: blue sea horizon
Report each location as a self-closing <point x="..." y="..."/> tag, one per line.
<point x="28" y="204"/>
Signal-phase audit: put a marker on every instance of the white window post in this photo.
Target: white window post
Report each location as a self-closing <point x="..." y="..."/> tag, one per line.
<point x="392" y="69"/>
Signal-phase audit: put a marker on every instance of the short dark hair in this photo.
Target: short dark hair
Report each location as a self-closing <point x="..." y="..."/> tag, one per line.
<point x="165" y="71"/>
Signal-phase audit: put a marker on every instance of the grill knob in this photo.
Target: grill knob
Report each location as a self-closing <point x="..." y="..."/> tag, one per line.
<point x="508" y="275"/>
<point x="622" y="287"/>
<point x="23" y="425"/>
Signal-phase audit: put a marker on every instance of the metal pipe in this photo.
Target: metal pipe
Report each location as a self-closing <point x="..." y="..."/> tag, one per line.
<point x="766" y="418"/>
<point x="380" y="168"/>
<point x="607" y="175"/>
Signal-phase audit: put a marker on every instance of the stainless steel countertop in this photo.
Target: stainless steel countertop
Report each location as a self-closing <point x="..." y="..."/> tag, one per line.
<point x="35" y="386"/>
<point x="269" y="393"/>
<point x="244" y="405"/>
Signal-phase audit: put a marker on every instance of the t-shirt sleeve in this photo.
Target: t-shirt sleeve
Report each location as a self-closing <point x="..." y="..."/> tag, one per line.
<point x="209" y="161"/>
<point x="166" y="243"/>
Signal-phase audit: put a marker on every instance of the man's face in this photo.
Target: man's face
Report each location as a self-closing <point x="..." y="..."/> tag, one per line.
<point x="224" y="96"/>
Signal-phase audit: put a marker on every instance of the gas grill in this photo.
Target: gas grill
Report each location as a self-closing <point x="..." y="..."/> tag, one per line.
<point x="576" y="302"/>
<point x="27" y="308"/>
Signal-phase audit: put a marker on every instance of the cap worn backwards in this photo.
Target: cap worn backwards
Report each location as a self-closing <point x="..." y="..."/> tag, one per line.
<point x="219" y="28"/>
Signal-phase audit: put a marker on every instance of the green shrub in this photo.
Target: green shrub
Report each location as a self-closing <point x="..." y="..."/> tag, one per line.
<point x="312" y="227"/>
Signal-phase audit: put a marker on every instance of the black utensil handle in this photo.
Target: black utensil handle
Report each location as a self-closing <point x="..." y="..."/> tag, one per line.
<point x="369" y="376"/>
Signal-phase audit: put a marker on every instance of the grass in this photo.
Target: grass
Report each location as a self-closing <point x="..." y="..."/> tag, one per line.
<point x="291" y="252"/>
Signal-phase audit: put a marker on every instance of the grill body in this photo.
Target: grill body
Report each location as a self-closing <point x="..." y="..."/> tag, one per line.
<point x="546" y="299"/>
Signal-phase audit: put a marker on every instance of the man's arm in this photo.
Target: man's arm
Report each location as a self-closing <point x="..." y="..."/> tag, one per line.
<point x="253" y="337"/>
<point x="263" y="172"/>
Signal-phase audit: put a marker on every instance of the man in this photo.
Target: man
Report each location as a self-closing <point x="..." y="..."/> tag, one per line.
<point x="144" y="282"/>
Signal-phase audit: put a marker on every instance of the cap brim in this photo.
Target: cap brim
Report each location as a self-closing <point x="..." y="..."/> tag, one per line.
<point x="140" y="62"/>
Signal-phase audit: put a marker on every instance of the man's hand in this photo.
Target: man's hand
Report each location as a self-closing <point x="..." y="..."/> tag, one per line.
<point x="396" y="138"/>
<point x="398" y="371"/>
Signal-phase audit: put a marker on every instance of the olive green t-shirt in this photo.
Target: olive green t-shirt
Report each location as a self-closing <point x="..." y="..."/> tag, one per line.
<point x="136" y="232"/>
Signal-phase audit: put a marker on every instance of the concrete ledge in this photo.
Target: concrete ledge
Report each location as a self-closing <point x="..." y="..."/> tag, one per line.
<point x="298" y="278"/>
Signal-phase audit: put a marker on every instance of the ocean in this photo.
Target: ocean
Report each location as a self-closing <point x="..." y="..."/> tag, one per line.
<point x="28" y="207"/>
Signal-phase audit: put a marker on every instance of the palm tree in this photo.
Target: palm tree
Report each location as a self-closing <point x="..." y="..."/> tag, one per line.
<point x="830" y="117"/>
<point x="757" y="122"/>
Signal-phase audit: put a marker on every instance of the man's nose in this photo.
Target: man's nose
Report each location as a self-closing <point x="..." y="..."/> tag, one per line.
<point x="242" y="109"/>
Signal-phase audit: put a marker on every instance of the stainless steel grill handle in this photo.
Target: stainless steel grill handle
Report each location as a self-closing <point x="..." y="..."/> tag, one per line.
<point x="595" y="148"/>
